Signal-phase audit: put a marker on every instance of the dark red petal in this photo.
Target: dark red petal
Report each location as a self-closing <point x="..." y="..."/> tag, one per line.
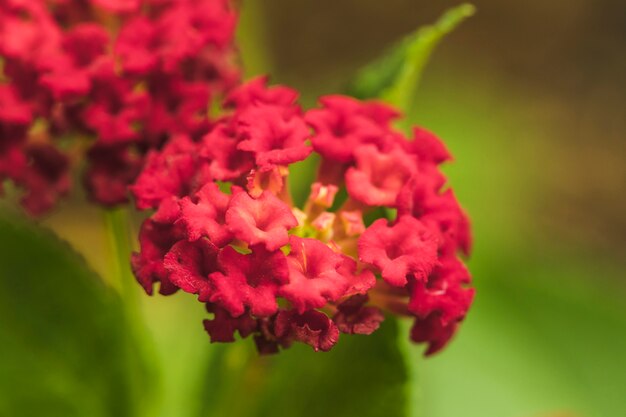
<point x="443" y="293"/>
<point x="248" y="281"/>
<point x="353" y="317"/>
<point x="189" y="265"/>
<point x="223" y="326"/>
<point x="155" y="239"/>
<point x="431" y="330"/>
<point x="312" y="327"/>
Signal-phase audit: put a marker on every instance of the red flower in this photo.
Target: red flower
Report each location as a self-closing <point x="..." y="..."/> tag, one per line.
<point x="220" y="149"/>
<point x="354" y="317"/>
<point x="248" y="281"/>
<point x="255" y="92"/>
<point x="68" y="74"/>
<point x="118" y="5"/>
<point x="421" y="198"/>
<point x="274" y="139"/>
<point x="46" y="178"/>
<point x="379" y="176"/>
<point x="223" y="326"/>
<point x="38" y="168"/>
<point x="166" y="174"/>
<point x="345" y="123"/>
<point x="313" y="275"/>
<point x="443" y="293"/>
<point x="312" y="327"/>
<point x="127" y="88"/>
<point x="428" y="147"/>
<point x="286" y="274"/>
<point x="407" y="247"/>
<point x="359" y="283"/>
<point x="13" y="110"/>
<point x="156" y="240"/>
<point x="207" y="216"/>
<point x="110" y="169"/>
<point x="264" y="220"/>
<point x="431" y="330"/>
<point x="189" y="265"/>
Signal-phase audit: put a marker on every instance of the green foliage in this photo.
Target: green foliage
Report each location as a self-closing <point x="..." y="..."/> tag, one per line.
<point x="545" y="334"/>
<point x="361" y="376"/>
<point x="395" y="76"/>
<point x="66" y="350"/>
<point x="534" y="344"/>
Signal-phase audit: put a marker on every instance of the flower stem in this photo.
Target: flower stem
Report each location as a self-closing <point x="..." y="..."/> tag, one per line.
<point x="140" y="343"/>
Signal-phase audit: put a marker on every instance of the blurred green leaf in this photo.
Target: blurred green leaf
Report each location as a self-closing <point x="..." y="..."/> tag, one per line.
<point x="395" y="76"/>
<point x="361" y="376"/>
<point x="540" y="340"/>
<point x="546" y="332"/>
<point x="64" y="340"/>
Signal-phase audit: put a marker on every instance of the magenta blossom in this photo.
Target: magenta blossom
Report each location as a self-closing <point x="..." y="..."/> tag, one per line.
<point x="225" y="227"/>
<point x="105" y="82"/>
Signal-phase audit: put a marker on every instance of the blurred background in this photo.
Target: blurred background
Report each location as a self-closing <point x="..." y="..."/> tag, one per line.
<point x="530" y="97"/>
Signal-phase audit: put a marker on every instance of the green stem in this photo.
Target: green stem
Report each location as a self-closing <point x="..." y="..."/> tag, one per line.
<point x="118" y="233"/>
<point x="116" y="221"/>
<point x="419" y="48"/>
<point x="410" y="353"/>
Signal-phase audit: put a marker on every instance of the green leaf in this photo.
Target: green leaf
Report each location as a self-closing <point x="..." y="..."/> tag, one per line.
<point x="540" y="340"/>
<point x="395" y="76"/>
<point x="362" y="376"/>
<point x="64" y="340"/>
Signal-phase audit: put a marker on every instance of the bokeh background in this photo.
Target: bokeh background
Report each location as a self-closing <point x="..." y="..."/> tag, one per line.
<point x="530" y="97"/>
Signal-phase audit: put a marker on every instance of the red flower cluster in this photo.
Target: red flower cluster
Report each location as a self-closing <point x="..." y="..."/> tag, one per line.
<point x="127" y="73"/>
<point x="225" y="227"/>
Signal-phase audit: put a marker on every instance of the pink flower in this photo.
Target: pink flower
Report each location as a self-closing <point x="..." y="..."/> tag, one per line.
<point x="264" y="220"/>
<point x="313" y="275"/>
<point x="189" y="265"/>
<point x="283" y="273"/>
<point x="379" y="176"/>
<point x="110" y="170"/>
<point x="422" y="199"/>
<point x="272" y="138"/>
<point x="312" y="327"/>
<point x="432" y="331"/>
<point x="207" y="216"/>
<point x="407" y="247"/>
<point x="156" y="240"/>
<point x="166" y="174"/>
<point x="248" y="281"/>
<point x="220" y="149"/>
<point x="344" y="123"/>
<point x="46" y="178"/>
<point x="255" y="92"/>
<point x="118" y="6"/>
<point x="354" y="317"/>
<point x="443" y="293"/>
<point x="223" y="326"/>
<point x="123" y="89"/>
<point x="428" y="147"/>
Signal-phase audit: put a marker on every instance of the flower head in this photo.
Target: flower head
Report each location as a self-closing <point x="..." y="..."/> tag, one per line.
<point x="112" y="80"/>
<point x="285" y="274"/>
